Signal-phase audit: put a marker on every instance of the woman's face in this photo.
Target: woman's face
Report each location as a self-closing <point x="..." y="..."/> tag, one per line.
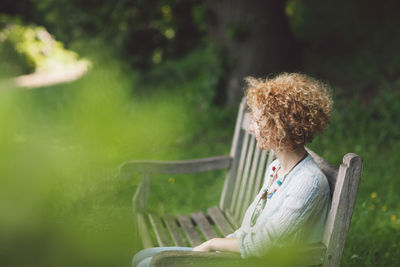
<point x="255" y="127"/>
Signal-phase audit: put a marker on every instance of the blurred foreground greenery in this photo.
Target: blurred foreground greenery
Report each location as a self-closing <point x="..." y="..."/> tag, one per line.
<point x="62" y="203"/>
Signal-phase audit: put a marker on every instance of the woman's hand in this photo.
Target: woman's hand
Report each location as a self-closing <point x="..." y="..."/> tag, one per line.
<point x="205" y="247"/>
<point x="220" y="244"/>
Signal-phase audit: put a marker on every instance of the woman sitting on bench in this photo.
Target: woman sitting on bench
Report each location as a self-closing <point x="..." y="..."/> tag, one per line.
<point x="286" y="113"/>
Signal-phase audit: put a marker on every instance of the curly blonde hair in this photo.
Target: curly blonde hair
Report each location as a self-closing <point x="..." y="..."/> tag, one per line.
<point x="290" y="109"/>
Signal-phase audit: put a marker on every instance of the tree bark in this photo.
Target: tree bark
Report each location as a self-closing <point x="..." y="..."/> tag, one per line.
<point x="252" y="38"/>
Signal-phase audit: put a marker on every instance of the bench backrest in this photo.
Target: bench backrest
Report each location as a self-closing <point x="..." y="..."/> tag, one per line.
<point x="246" y="174"/>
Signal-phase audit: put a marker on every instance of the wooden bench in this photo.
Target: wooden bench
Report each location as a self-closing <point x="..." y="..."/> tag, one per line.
<point x="246" y="166"/>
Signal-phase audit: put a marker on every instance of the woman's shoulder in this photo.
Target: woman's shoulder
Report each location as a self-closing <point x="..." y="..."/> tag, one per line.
<point x="312" y="175"/>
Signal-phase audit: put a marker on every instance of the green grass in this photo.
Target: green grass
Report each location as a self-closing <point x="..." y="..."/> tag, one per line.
<point x="373" y="133"/>
<point x="62" y="204"/>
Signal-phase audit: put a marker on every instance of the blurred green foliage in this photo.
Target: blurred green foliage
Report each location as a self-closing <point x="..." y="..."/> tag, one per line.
<point x="349" y="43"/>
<point x="61" y="202"/>
<point x="13" y="62"/>
<point x="196" y="76"/>
<point x="144" y="32"/>
<point x="25" y="49"/>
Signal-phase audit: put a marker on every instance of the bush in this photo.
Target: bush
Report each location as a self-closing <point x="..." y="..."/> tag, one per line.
<point x="31" y="48"/>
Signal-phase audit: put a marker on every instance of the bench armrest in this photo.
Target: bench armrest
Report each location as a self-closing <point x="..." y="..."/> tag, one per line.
<point x="128" y="168"/>
<point x="190" y="258"/>
<point x="146" y="168"/>
<point x="312" y="254"/>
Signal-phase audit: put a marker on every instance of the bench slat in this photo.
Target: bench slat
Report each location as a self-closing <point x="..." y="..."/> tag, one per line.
<point x="159" y="230"/>
<point x="271" y="157"/>
<point x="205" y="227"/>
<point x="231" y="219"/>
<point x="252" y="178"/>
<point x="260" y="173"/>
<point x="245" y="178"/>
<point x="220" y="221"/>
<point x="174" y="231"/>
<point x="191" y="233"/>
<point x="144" y="231"/>
<point x="240" y="171"/>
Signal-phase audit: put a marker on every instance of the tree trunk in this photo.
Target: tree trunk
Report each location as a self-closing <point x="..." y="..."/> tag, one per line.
<point x="252" y="38"/>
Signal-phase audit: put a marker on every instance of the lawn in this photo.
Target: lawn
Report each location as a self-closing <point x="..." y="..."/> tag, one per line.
<point x="62" y="203"/>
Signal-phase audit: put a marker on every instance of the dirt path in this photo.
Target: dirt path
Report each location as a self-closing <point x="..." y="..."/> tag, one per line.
<point x="40" y="79"/>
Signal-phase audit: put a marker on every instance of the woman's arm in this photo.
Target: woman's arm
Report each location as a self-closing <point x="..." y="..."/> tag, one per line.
<point x="219" y="244"/>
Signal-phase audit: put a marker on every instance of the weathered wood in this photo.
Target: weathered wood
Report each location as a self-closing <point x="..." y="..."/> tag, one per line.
<point x="266" y="160"/>
<point x="159" y="230"/>
<point x="127" y="169"/>
<point x="237" y="142"/>
<point x="139" y="200"/>
<point x="195" y="259"/>
<point x="343" y="200"/>
<point x="246" y="121"/>
<point x="190" y="231"/>
<point x="143" y="231"/>
<point x="239" y="172"/>
<point x="260" y="173"/>
<point x="252" y="177"/>
<point x="220" y="221"/>
<point x="309" y="254"/>
<point x="231" y="219"/>
<point x="205" y="227"/>
<point x="271" y="156"/>
<point x="245" y="179"/>
<point x="174" y="231"/>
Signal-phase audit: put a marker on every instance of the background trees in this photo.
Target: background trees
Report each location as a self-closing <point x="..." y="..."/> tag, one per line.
<point x="165" y="77"/>
<point x="349" y="43"/>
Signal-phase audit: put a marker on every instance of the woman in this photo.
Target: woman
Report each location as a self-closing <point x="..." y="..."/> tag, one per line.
<point x="286" y="113"/>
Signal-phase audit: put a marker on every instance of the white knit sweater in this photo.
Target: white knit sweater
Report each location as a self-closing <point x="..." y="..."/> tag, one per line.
<point x="297" y="211"/>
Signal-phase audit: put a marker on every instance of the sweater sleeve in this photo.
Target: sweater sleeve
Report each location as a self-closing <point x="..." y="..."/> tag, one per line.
<point x="297" y="205"/>
<point x="234" y="234"/>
